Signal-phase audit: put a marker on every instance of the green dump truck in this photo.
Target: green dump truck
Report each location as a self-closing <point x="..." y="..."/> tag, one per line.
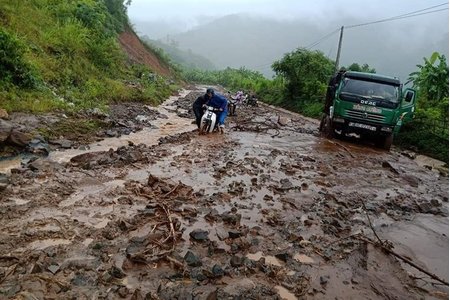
<point x="370" y="105"/>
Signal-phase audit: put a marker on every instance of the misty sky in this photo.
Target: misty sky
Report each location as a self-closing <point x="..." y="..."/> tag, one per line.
<point x="394" y="47"/>
<point x="188" y="12"/>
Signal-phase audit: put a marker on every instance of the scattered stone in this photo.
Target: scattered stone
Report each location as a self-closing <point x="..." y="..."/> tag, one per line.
<point x="231" y="218"/>
<point x="66" y="144"/>
<point x="192" y="260"/>
<point x="411" y="180"/>
<point x="199" y="235"/>
<point x="4" y="114"/>
<point x="217" y="271"/>
<point x="425" y="207"/>
<point x="82" y="280"/>
<point x="53" y="269"/>
<point x="221" y="234"/>
<point x="304" y="259"/>
<point x="19" y="138"/>
<point x="36" y="268"/>
<point x="37" y="146"/>
<point x="435" y="202"/>
<point x="5" y="130"/>
<point x="390" y="166"/>
<point x="283" y="121"/>
<point x="236" y="261"/>
<point x="283" y="256"/>
<point x="117" y="272"/>
<point x="234" y="234"/>
<point x="324" y="280"/>
<point x="123" y="292"/>
<point x="4" y="181"/>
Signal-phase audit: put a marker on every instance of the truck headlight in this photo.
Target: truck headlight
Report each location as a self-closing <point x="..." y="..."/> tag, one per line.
<point x="338" y="120"/>
<point x="386" y="129"/>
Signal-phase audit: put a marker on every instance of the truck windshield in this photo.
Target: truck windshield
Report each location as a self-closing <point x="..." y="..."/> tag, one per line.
<point x="356" y="89"/>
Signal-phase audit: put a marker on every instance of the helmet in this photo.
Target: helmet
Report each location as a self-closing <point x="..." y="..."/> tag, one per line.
<point x="210" y="90"/>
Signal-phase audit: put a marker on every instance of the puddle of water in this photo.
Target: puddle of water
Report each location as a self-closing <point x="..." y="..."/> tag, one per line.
<point x="148" y="136"/>
<point x="91" y="190"/>
<point x="425" y="240"/>
<point x="42" y="244"/>
<point x="269" y="259"/>
<point x="7" y="164"/>
<point x="284" y="293"/>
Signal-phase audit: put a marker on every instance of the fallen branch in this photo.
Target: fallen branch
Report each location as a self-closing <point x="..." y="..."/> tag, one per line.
<point x="172" y="228"/>
<point x="370" y="223"/>
<point x="11" y="271"/>
<point x="344" y="238"/>
<point x="175" y="262"/>
<point x="404" y="259"/>
<point x="173" y="190"/>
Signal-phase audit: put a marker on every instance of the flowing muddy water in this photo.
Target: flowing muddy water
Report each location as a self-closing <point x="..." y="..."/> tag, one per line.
<point x="149" y="135"/>
<point x="264" y="211"/>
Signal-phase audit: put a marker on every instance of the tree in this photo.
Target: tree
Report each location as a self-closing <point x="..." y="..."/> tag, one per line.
<point x="364" y="68"/>
<point x="431" y="80"/>
<point x="306" y="74"/>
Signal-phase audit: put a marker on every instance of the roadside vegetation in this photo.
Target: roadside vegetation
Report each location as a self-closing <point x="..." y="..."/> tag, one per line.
<point x="427" y="133"/>
<point x="300" y="84"/>
<point x="57" y="54"/>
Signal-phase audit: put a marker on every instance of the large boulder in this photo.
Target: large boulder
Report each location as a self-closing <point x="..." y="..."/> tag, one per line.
<point x="4" y="114"/>
<point x="19" y="138"/>
<point x="5" y="130"/>
<point x="4" y="181"/>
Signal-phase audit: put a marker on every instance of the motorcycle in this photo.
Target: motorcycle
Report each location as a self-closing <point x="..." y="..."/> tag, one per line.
<point x="209" y="122"/>
<point x="252" y="101"/>
<point x="232" y="103"/>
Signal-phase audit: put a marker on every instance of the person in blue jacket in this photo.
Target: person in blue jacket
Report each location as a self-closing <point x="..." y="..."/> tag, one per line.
<point x="218" y="101"/>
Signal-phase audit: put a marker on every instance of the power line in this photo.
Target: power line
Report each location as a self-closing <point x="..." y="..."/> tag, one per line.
<point x="321" y="39"/>
<point x="403" y="16"/>
<point x="307" y="47"/>
<point x="416" y="13"/>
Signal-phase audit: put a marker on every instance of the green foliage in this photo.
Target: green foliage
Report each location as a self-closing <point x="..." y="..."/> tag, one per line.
<point x="364" y="68"/>
<point x="427" y="134"/>
<point x="306" y="74"/>
<point x="431" y="80"/>
<point x="64" y="54"/>
<point x="14" y="69"/>
<point x="118" y="11"/>
<point x="428" y="131"/>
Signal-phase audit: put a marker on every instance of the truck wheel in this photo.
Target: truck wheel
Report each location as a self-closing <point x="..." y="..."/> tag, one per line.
<point x="387" y="142"/>
<point x="326" y="127"/>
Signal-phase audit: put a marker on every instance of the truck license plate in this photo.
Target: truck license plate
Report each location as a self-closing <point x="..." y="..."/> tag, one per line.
<point x="364" y="126"/>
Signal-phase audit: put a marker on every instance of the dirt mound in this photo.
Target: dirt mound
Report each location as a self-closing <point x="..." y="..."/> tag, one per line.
<point x="137" y="52"/>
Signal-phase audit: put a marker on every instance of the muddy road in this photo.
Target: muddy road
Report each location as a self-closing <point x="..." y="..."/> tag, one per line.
<point x="269" y="210"/>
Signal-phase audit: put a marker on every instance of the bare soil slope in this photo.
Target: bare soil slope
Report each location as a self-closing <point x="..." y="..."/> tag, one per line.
<point x="137" y="52"/>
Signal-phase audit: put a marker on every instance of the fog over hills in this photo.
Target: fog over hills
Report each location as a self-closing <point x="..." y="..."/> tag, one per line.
<point x="393" y="48"/>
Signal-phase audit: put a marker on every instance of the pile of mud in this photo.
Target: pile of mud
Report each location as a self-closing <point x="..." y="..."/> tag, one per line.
<point x="269" y="210"/>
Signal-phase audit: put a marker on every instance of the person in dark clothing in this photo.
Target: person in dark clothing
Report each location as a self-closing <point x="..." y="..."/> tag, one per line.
<point x="219" y="102"/>
<point x="331" y="90"/>
<point x="197" y="107"/>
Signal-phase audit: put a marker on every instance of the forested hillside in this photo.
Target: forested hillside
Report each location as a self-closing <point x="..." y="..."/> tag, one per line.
<point x="57" y="54"/>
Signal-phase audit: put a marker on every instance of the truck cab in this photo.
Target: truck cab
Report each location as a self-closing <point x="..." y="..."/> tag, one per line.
<point x="371" y="105"/>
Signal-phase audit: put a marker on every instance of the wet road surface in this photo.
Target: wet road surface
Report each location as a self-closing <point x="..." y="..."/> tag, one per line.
<point x="269" y="210"/>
